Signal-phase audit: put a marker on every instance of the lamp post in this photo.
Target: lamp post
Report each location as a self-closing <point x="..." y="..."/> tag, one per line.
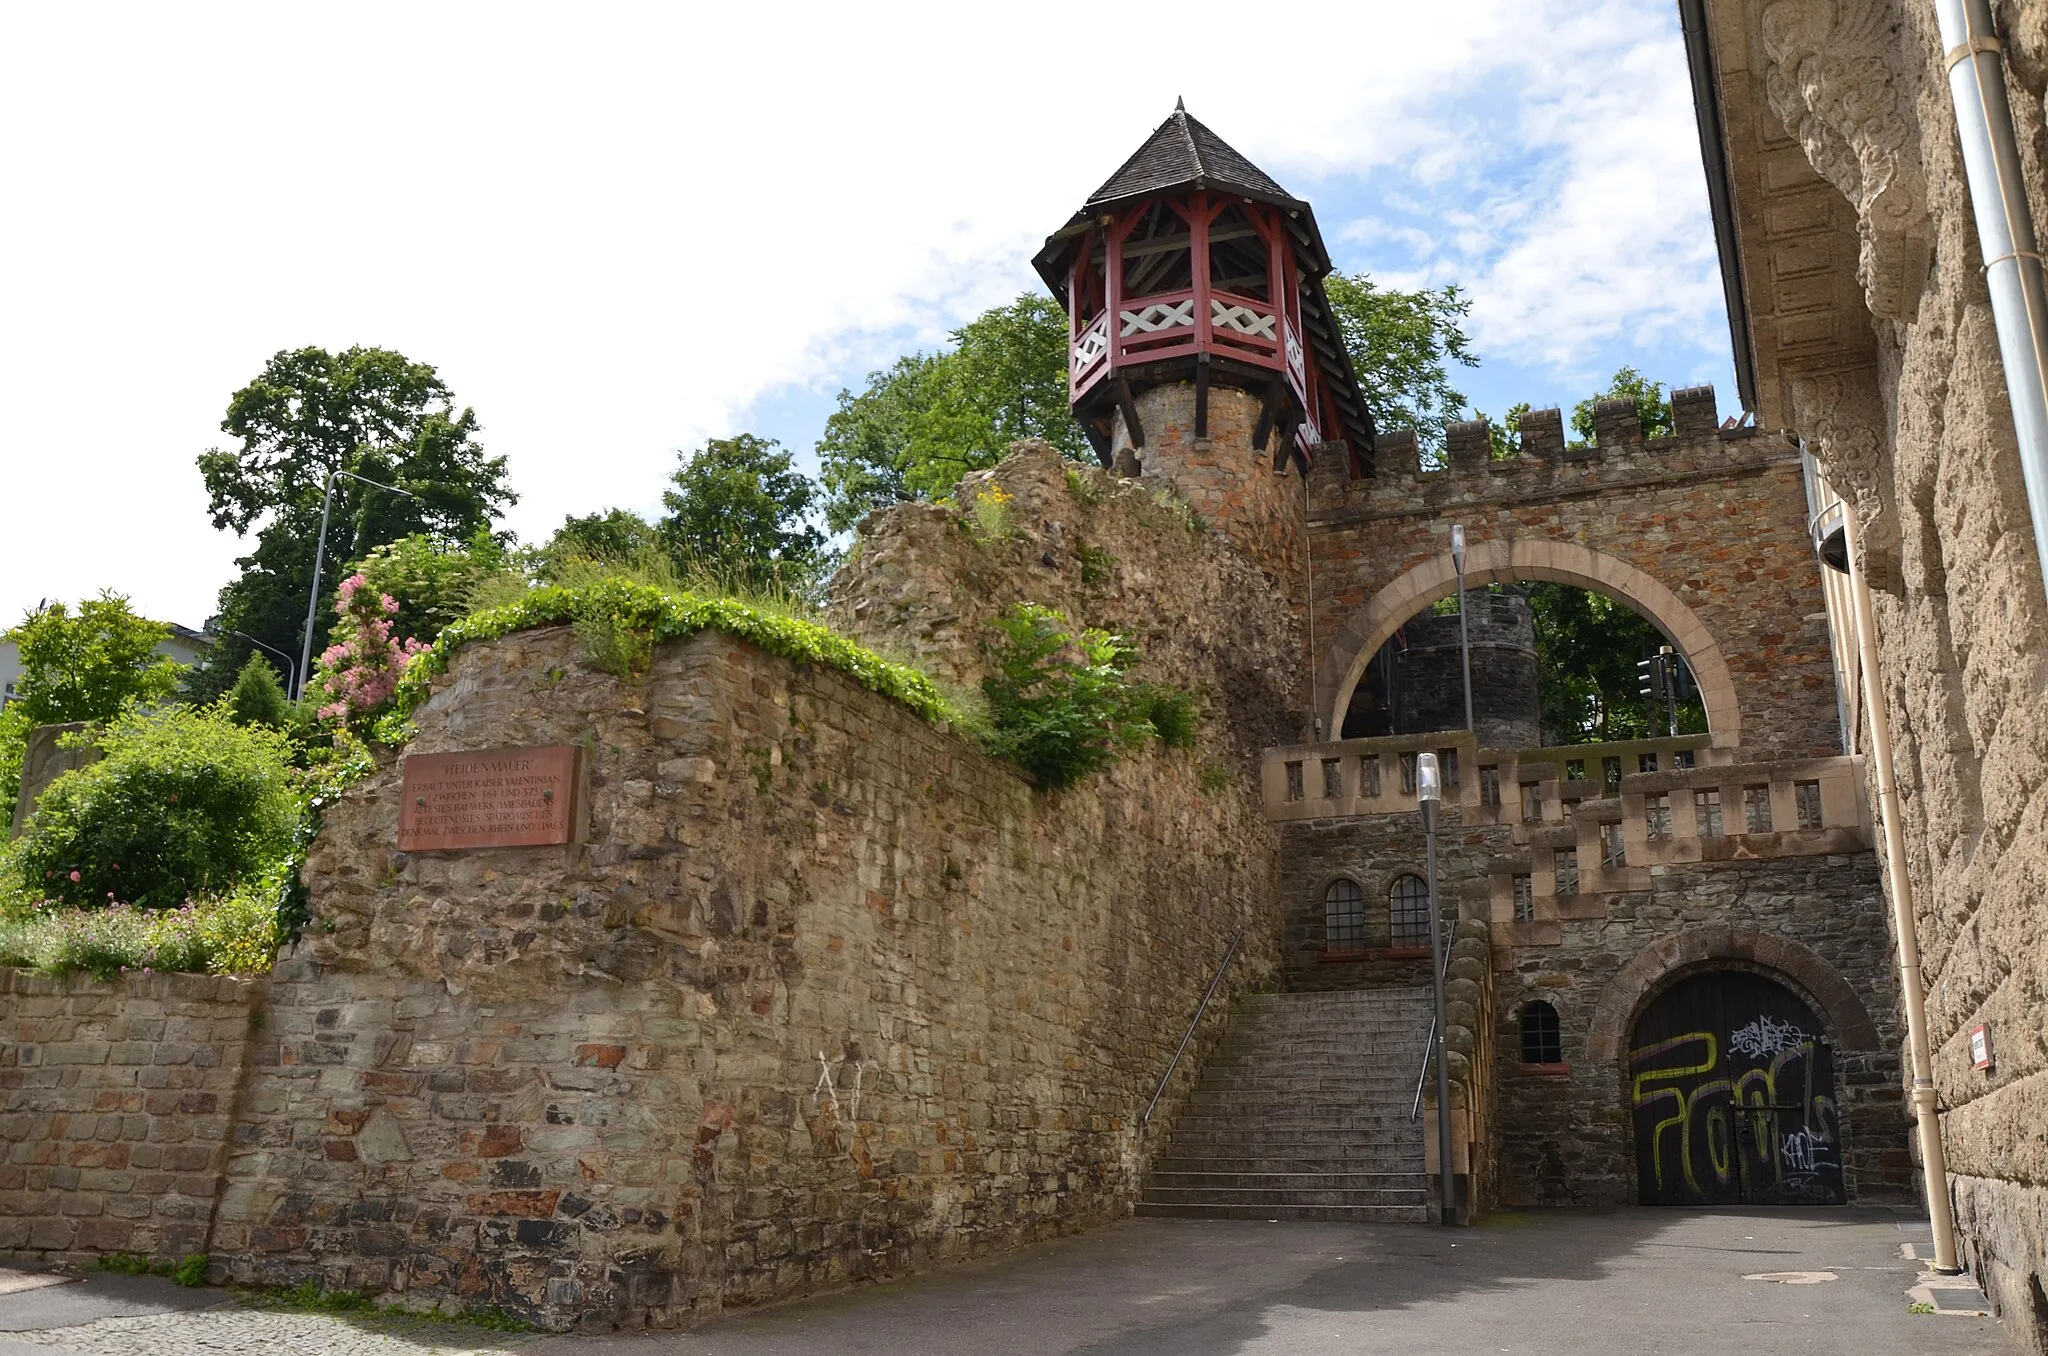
<point x="319" y="558"/>
<point x="1429" y="792"/>
<point x="1464" y="636"/>
<point x="291" y="669"/>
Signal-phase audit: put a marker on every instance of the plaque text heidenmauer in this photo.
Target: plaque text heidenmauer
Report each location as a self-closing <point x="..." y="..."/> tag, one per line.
<point x="489" y="798"/>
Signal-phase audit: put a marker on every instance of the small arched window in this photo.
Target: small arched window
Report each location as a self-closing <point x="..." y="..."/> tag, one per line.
<point x="1343" y="916"/>
<point x="1542" y="1042"/>
<point x="1408" y="907"/>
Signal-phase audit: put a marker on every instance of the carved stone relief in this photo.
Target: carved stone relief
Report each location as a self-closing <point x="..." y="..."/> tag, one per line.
<point x="1830" y="79"/>
<point x="1843" y="420"/>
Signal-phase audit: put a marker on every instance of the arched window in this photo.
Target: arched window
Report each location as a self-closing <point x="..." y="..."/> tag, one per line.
<point x="1408" y="906"/>
<point x="1542" y="1042"/>
<point x="1343" y="916"/>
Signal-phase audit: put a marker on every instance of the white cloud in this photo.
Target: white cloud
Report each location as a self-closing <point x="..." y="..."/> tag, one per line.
<point x="615" y="228"/>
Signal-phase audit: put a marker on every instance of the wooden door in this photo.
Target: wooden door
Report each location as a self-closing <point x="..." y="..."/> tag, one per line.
<point x="1733" y="1093"/>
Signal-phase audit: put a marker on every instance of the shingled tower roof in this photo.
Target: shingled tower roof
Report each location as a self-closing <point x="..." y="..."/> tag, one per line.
<point x="1183" y="153"/>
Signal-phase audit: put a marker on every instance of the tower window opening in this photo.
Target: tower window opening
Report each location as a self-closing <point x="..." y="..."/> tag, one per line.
<point x="1525" y="899"/>
<point x="1408" y="908"/>
<point x="1542" y="1040"/>
<point x="1295" y="790"/>
<point x="1806" y="796"/>
<point x="1756" y="806"/>
<point x="1238" y="258"/>
<point x="1567" y="871"/>
<point x="1706" y="811"/>
<point x="1156" y="254"/>
<point x="1489" y="786"/>
<point x="1613" y="850"/>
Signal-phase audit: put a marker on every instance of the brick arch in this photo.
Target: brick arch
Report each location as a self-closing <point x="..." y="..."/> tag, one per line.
<point x="1343" y="663"/>
<point x="1607" y="1033"/>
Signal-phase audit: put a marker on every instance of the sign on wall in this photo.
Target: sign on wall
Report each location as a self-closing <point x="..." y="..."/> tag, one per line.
<point x="522" y="797"/>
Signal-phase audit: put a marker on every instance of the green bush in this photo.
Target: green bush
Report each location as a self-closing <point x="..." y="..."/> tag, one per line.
<point x="1062" y="707"/>
<point x="257" y="698"/>
<point x="234" y="934"/>
<point x="183" y="803"/>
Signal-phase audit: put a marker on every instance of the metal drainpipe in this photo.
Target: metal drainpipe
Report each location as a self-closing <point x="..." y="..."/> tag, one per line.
<point x="1933" y="1161"/>
<point x="2005" y="231"/>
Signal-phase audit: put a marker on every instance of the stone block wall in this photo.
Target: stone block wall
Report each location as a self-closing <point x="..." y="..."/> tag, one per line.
<point x="116" y="1099"/>
<point x="827" y="995"/>
<point x="1816" y="924"/>
<point x="1704" y="533"/>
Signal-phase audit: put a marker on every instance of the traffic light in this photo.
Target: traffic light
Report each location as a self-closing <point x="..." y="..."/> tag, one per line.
<point x="1651" y="679"/>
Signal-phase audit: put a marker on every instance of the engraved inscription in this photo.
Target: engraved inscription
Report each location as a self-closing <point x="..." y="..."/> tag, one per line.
<point x="491" y="798"/>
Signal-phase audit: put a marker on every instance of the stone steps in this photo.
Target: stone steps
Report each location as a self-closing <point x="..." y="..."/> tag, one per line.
<point x="1303" y="1112"/>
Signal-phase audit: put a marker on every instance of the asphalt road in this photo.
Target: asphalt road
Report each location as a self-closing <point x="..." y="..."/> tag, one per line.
<point x="1538" y="1284"/>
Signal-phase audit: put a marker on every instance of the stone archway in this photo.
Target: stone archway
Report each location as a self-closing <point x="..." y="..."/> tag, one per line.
<point x="1607" y="1031"/>
<point x="1503" y="561"/>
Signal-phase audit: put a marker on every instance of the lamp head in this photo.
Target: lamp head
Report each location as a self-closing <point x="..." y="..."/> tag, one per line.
<point x="1458" y="546"/>
<point x="1429" y="783"/>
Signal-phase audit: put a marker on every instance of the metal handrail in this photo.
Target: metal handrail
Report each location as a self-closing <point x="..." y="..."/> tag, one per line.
<point x="1429" y="1050"/>
<point x="1189" y="1035"/>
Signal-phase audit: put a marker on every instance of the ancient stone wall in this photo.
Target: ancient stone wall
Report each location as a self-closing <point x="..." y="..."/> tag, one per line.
<point x="1223" y="478"/>
<point x="827" y="994"/>
<point x="1704" y="532"/>
<point x="116" y="1099"/>
<point x="1563" y="1134"/>
<point x="926" y="580"/>
<point x="1874" y="339"/>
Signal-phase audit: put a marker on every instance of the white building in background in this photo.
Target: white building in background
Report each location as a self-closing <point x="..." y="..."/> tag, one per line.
<point x="184" y="644"/>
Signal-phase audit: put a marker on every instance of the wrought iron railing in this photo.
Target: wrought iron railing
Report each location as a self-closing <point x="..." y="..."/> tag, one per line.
<point x="1189" y="1034"/>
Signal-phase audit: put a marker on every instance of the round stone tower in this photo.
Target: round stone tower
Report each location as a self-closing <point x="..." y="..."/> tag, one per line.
<point x="1416" y="684"/>
<point x="1201" y="347"/>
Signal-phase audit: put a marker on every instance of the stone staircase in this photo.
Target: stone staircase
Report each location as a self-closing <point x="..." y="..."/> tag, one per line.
<point x="1303" y="1113"/>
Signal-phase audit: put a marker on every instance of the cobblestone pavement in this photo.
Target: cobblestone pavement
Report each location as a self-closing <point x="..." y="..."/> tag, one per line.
<point x="230" y="1330"/>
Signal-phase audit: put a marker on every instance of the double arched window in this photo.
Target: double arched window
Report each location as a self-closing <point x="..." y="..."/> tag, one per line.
<point x="1408" y="911"/>
<point x="1542" y="1041"/>
<point x="1344" y="916"/>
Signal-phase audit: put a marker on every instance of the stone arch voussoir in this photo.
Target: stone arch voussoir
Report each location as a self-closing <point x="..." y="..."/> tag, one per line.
<point x="1622" y="999"/>
<point x="1343" y="662"/>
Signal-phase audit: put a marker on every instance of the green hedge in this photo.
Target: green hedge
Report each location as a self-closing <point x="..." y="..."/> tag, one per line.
<point x="663" y="616"/>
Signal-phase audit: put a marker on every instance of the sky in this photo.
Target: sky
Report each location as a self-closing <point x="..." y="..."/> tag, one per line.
<point x="620" y="230"/>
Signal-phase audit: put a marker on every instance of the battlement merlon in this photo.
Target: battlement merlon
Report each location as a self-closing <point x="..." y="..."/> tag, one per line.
<point x="1468" y="444"/>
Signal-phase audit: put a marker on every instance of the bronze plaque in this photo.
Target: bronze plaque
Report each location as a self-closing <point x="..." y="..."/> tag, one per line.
<point x="490" y="798"/>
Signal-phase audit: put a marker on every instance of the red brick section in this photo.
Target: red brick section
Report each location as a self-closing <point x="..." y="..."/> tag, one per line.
<point x="1718" y="519"/>
<point x="117" y="1102"/>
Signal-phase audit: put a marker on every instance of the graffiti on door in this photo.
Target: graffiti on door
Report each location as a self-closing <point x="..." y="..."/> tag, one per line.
<point x="1732" y="1091"/>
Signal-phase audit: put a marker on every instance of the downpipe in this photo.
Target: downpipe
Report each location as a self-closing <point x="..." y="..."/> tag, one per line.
<point x="1975" y="59"/>
<point x="1933" y="1160"/>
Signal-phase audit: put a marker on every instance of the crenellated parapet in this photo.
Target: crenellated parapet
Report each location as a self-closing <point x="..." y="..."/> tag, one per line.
<point x="1540" y="457"/>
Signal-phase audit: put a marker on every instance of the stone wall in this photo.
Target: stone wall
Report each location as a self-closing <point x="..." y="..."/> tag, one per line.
<point x="1705" y="533"/>
<point x="1815" y="924"/>
<point x="115" y="1104"/>
<point x="1873" y="337"/>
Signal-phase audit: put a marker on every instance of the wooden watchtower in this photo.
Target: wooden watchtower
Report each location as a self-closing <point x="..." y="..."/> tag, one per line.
<point x="1191" y="268"/>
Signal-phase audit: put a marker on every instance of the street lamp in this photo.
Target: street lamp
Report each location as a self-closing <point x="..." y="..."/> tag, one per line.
<point x="290" y="669"/>
<point x="1464" y="636"/>
<point x="1429" y="792"/>
<point x="319" y="558"/>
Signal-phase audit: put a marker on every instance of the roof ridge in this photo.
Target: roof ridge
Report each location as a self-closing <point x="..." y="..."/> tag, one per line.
<point x="1180" y="115"/>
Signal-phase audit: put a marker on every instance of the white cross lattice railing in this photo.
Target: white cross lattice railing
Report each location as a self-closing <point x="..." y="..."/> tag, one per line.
<point x="1243" y="319"/>
<point x="1294" y="357"/>
<point x="1093" y="343"/>
<point x="1160" y="315"/>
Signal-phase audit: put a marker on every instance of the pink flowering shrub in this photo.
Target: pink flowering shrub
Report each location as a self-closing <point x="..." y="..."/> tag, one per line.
<point x="359" y="674"/>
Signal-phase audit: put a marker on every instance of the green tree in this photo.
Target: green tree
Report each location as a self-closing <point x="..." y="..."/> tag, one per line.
<point x="929" y="419"/>
<point x="1653" y="409"/>
<point x="740" y="509"/>
<point x="1402" y="345"/>
<point x="92" y="665"/>
<point x="258" y="698"/>
<point x="1587" y="645"/>
<point x="309" y="413"/>
<point x="616" y="534"/>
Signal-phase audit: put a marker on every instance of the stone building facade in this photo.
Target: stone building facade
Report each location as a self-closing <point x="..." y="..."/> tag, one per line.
<point x="1863" y="323"/>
